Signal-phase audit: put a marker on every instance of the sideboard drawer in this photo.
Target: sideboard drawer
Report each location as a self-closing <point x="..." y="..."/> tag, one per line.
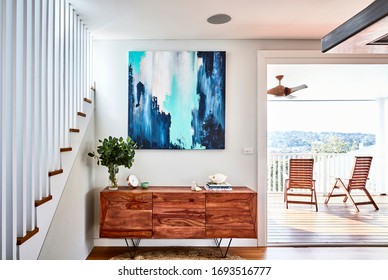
<point x="179" y="215"/>
<point x="231" y="215"/>
<point x="126" y="215"/>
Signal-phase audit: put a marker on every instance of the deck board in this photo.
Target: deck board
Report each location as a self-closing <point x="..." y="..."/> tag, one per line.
<point x="337" y="223"/>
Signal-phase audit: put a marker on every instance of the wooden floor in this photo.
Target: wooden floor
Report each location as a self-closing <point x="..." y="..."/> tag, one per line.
<point x="277" y="253"/>
<point x="336" y="223"/>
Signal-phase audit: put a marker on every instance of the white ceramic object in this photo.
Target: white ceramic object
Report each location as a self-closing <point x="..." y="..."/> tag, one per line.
<point x="132" y="180"/>
<point x="218" y="178"/>
<point x="194" y="187"/>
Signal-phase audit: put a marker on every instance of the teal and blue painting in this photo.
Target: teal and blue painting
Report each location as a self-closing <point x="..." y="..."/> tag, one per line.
<point x="176" y="99"/>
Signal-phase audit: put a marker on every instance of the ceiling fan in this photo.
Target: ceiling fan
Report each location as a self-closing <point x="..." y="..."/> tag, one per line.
<point x="282" y="91"/>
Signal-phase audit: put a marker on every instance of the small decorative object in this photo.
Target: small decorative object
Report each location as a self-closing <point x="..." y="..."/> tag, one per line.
<point x="194" y="187"/>
<point x="144" y="185"/>
<point x="115" y="152"/>
<point x="132" y="181"/>
<point x="218" y="178"/>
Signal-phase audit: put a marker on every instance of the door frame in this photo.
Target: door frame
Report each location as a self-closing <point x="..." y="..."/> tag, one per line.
<point x="265" y="57"/>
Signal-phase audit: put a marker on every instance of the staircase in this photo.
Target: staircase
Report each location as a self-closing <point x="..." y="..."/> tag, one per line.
<point x="30" y="245"/>
<point x="46" y="105"/>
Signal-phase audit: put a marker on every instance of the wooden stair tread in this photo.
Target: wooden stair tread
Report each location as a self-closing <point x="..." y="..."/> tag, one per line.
<point x="29" y="234"/>
<point x="43" y="200"/>
<point x="87" y="100"/>
<point x="55" y="172"/>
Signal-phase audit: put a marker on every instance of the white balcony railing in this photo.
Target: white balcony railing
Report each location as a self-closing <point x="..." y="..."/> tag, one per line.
<point x="327" y="167"/>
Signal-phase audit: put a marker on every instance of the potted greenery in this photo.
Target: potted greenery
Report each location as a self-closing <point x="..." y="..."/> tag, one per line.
<point x="115" y="152"/>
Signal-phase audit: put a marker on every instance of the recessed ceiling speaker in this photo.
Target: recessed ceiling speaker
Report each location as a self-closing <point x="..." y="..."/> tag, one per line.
<point x="219" y="19"/>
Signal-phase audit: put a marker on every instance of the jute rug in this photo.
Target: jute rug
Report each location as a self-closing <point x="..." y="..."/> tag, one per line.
<point x="177" y="253"/>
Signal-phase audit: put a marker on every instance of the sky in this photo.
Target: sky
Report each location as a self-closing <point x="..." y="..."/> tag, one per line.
<point x="323" y="116"/>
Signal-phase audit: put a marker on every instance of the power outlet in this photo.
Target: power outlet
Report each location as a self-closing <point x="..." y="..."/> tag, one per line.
<point x="248" y="151"/>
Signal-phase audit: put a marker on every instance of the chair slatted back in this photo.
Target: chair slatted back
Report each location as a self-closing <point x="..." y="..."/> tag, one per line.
<point x="360" y="171"/>
<point x="301" y="173"/>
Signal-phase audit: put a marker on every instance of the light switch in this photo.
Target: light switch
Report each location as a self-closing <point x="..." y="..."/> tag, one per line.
<point x="248" y="151"/>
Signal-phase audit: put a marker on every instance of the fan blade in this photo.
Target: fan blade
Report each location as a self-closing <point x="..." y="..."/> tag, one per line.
<point x="293" y="89"/>
<point x="290" y="96"/>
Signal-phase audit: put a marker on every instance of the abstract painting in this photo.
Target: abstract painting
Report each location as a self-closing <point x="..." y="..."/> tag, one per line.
<point x="176" y="99"/>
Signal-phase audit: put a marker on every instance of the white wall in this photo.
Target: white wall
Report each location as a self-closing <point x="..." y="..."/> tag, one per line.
<point x="170" y="167"/>
<point x="70" y="236"/>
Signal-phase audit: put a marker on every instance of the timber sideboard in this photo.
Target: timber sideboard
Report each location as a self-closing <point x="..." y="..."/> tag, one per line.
<point x="178" y="212"/>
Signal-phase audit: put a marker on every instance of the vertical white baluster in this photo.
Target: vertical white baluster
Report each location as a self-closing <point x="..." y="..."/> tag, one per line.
<point x="34" y="95"/>
<point x="84" y="65"/>
<point x="71" y="67"/>
<point x="326" y="178"/>
<point x="2" y="133"/>
<point x="80" y="73"/>
<point x="18" y="108"/>
<point x="77" y="65"/>
<point x="82" y="68"/>
<point x="62" y="77"/>
<point x="75" y="69"/>
<point x="56" y="67"/>
<point x="90" y="65"/>
<point x="36" y="64"/>
<point x="28" y="123"/>
<point x="285" y="171"/>
<point x="50" y="87"/>
<point x="276" y="175"/>
<point x="273" y="175"/>
<point x="44" y="101"/>
<point x="10" y="131"/>
<point x="67" y="83"/>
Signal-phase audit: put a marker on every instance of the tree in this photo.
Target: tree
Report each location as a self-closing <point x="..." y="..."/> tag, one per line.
<point x="334" y="145"/>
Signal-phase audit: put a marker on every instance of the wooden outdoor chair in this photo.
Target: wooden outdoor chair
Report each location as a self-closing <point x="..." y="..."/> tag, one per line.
<point x="300" y="183"/>
<point x="357" y="181"/>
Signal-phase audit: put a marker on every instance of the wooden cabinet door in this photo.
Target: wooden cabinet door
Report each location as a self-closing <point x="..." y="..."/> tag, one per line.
<point x="125" y="214"/>
<point x="231" y="215"/>
<point x="179" y="215"/>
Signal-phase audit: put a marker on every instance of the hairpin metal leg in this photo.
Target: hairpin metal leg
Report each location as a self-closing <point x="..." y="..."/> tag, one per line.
<point x="218" y="245"/>
<point x="135" y="245"/>
<point x="217" y="242"/>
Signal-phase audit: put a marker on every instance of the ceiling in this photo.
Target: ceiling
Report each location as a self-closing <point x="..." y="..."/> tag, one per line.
<point x="186" y="19"/>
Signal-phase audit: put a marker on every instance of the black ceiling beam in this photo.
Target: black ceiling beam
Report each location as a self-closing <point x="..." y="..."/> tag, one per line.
<point x="370" y="15"/>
